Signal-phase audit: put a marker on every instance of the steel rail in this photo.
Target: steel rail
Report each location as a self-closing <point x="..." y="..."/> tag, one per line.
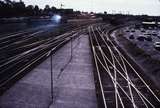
<point x="123" y="67"/>
<point x="136" y="72"/>
<point x="99" y="77"/>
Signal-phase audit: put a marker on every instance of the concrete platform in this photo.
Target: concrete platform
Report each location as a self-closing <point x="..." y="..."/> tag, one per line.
<point x="73" y="87"/>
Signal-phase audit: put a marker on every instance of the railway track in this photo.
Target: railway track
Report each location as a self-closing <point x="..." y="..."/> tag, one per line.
<point x="25" y="51"/>
<point x="119" y="83"/>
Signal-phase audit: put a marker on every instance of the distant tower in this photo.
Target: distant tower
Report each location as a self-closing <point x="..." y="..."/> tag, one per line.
<point x="61" y="6"/>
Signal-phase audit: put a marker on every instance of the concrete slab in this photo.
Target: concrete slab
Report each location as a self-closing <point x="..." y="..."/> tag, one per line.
<point x="73" y="87"/>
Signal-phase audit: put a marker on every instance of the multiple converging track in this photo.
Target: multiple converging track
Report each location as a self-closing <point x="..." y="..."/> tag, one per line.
<point x="119" y="83"/>
<point x="22" y="51"/>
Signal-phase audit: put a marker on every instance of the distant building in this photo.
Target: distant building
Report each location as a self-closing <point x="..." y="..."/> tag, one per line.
<point x="65" y="11"/>
<point x="151" y="24"/>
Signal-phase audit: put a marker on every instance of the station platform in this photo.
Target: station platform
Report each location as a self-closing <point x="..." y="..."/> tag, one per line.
<point x="73" y="81"/>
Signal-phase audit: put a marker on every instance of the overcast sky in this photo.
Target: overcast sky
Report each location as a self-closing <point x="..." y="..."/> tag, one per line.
<point x="151" y="7"/>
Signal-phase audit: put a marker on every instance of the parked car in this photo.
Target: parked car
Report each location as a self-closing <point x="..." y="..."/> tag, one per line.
<point x="131" y="36"/>
<point x="154" y="34"/>
<point x="141" y="38"/>
<point x="127" y="31"/>
<point x="148" y="38"/>
<point x="142" y="30"/>
<point x="157" y="45"/>
<point x="133" y="31"/>
<point x="147" y="34"/>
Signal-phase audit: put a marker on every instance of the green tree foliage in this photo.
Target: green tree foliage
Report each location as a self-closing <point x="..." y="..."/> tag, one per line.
<point x="10" y="8"/>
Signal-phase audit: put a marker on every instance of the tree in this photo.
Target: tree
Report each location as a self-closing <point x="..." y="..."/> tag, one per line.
<point x="53" y="9"/>
<point x="9" y="8"/>
<point x="30" y="10"/>
<point x="36" y="10"/>
<point x="19" y="8"/>
<point x="8" y="1"/>
<point x="47" y="9"/>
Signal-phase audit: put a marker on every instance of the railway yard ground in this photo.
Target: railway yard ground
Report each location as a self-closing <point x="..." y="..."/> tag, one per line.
<point x="144" y="51"/>
<point x="92" y="65"/>
<point x="73" y="81"/>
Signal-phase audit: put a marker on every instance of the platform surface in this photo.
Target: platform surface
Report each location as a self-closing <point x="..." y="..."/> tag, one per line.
<point x="73" y="81"/>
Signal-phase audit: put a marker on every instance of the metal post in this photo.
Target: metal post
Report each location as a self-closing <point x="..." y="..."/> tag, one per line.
<point x="51" y="78"/>
<point x="71" y="49"/>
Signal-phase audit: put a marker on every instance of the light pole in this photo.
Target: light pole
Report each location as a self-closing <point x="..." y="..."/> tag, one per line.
<point x="51" y="78"/>
<point x="71" y="49"/>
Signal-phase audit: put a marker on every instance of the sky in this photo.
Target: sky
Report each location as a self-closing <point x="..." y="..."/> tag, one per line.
<point x="150" y="7"/>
